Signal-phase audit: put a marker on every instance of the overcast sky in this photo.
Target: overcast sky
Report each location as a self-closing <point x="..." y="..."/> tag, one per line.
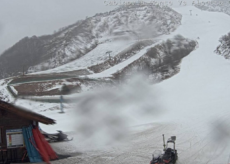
<point x="20" y="18"/>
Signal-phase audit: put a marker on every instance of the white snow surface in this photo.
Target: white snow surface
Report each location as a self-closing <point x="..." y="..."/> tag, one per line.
<point x="195" y="105"/>
<point x="197" y="99"/>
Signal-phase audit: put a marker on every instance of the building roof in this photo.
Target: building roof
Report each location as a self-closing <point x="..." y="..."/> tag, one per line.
<point x="25" y="113"/>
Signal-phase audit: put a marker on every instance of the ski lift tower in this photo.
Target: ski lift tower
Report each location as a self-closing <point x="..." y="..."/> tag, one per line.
<point x="109" y="52"/>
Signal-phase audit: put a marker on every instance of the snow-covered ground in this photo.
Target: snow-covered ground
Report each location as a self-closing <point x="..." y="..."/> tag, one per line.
<point x="4" y="93"/>
<point x="194" y="106"/>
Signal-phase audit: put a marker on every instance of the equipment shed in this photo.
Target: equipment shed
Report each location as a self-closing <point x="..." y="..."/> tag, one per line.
<point x="13" y="120"/>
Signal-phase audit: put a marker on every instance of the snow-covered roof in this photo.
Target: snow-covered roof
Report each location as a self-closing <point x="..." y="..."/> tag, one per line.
<point x="25" y="113"/>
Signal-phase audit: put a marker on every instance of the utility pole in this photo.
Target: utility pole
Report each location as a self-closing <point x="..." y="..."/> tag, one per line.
<point x="61" y="104"/>
<point x="23" y="70"/>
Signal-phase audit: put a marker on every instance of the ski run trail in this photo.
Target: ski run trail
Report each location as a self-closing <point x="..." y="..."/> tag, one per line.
<point x="195" y="105"/>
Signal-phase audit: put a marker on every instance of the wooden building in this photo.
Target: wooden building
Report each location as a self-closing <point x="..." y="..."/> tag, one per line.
<point x="12" y="120"/>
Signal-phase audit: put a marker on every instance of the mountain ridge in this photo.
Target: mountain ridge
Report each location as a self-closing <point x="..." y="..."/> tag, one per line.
<point x="74" y="41"/>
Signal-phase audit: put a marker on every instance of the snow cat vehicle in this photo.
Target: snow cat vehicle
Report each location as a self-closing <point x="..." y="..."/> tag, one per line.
<point x="56" y="137"/>
<point x="169" y="155"/>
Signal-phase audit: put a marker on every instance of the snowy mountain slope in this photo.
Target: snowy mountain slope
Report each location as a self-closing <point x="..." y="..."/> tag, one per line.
<point x="214" y="6"/>
<point x="122" y="24"/>
<point x="195" y="101"/>
<point x="164" y="53"/>
<point x="157" y="61"/>
<point x="109" y="72"/>
<point x="96" y="56"/>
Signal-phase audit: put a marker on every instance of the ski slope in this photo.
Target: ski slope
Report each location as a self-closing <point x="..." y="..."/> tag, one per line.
<point x="197" y="99"/>
<point x="195" y="105"/>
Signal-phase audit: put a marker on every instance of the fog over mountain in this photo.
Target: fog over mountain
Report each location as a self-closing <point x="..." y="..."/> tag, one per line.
<point x="27" y="18"/>
<point x="38" y="17"/>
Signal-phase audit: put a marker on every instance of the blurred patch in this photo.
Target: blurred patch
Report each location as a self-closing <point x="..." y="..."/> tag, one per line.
<point x="221" y="132"/>
<point x="104" y="116"/>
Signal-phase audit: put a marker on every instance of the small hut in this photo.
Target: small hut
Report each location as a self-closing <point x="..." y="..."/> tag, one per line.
<point x="13" y="120"/>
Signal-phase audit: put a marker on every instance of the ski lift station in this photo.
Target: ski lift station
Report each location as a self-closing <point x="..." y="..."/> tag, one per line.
<point x="20" y="138"/>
